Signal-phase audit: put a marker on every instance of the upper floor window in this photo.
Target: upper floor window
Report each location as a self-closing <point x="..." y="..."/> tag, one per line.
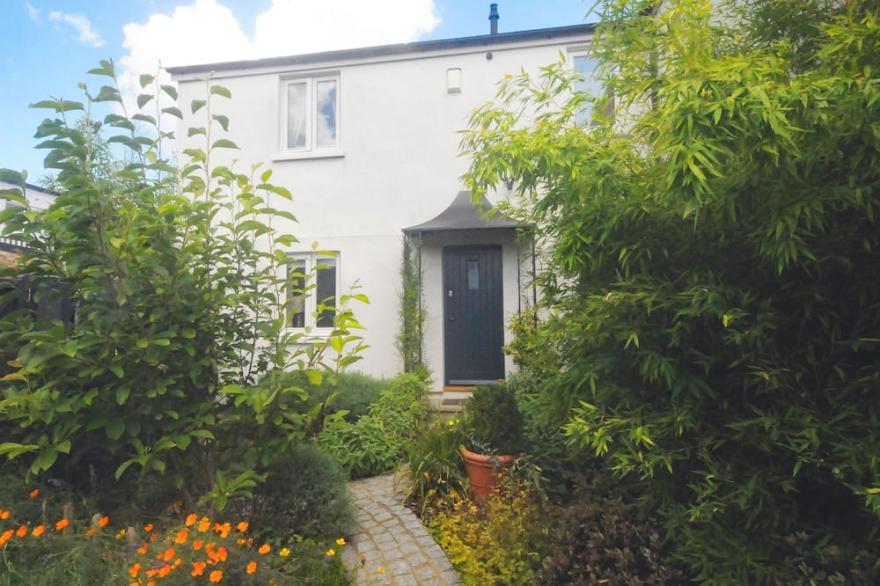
<point x="310" y="113"/>
<point x="586" y="66"/>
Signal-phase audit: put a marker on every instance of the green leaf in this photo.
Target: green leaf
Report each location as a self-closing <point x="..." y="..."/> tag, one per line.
<point x="145" y="79"/>
<point x="219" y="90"/>
<point x="143" y="99"/>
<point x="115" y="429"/>
<point x="173" y="111"/>
<point x="224" y="143"/>
<point x="197" y="105"/>
<point x="170" y="90"/>
<point x="222" y="120"/>
<point x="315" y="376"/>
<point x="117" y="370"/>
<point x="122" y="394"/>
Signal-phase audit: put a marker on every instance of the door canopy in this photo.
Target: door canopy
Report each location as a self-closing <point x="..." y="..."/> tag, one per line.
<point x="463" y="215"/>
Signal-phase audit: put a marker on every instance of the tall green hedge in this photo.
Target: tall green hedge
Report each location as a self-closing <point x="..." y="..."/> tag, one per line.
<point x="711" y="311"/>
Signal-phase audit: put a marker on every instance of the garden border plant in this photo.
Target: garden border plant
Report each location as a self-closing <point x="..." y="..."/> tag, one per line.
<point x="178" y="275"/>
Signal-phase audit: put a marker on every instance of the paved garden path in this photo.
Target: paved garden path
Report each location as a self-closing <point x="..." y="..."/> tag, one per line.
<point x="392" y="546"/>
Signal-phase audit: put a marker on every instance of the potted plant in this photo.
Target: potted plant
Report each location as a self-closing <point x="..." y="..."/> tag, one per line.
<point x="493" y="427"/>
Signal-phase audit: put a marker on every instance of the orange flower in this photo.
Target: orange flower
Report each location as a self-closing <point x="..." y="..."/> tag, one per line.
<point x="210" y="546"/>
<point x="191" y="519"/>
<point x="197" y="545"/>
<point x="6" y="536"/>
<point x="151" y="583"/>
<point x="105" y="520"/>
<point x="181" y="536"/>
<point x="204" y="524"/>
<point x="152" y="572"/>
<point x="142" y="549"/>
<point x="168" y="555"/>
<point x="60" y="525"/>
<point x="251" y="568"/>
<point x="4" y="514"/>
<point x="154" y="537"/>
<point x="178" y="562"/>
<point x="38" y="530"/>
<point x="218" y="555"/>
<point x="165" y="570"/>
<point x="120" y="534"/>
<point x="148" y="527"/>
<point x="22" y="531"/>
<point x="224" y="530"/>
<point x="198" y="568"/>
<point x="90" y="532"/>
<point x="242" y="526"/>
<point x="215" y="577"/>
<point x="264" y="549"/>
<point x="134" y="570"/>
<point x="34" y="493"/>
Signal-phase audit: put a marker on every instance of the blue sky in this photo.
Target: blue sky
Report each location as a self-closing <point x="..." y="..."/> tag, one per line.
<point x="46" y="46"/>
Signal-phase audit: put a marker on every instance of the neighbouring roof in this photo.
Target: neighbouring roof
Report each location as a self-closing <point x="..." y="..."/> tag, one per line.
<point x="463" y="215"/>
<point x="486" y="41"/>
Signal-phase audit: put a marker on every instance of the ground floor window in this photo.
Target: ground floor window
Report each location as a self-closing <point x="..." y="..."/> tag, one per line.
<point x="312" y="285"/>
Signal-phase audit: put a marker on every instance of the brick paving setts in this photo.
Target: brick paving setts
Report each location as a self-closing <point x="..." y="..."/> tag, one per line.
<point x="391" y="537"/>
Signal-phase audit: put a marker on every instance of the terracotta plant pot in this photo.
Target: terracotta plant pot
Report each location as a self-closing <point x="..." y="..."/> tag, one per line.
<point x="483" y="471"/>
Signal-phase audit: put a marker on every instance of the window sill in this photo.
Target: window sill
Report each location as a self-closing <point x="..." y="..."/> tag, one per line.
<point x="311" y="336"/>
<point x="316" y="154"/>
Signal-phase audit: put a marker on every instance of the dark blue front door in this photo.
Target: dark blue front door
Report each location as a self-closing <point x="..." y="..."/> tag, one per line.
<point x="474" y="330"/>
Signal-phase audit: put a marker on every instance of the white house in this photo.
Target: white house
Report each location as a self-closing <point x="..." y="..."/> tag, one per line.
<point x="37" y="198"/>
<point x="367" y="141"/>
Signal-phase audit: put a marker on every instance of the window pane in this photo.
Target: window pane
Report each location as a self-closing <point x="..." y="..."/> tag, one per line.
<point x="296" y="115"/>
<point x="326" y="290"/>
<point x="473" y="274"/>
<point x="296" y="299"/>
<point x="586" y="67"/>
<point x="326" y="100"/>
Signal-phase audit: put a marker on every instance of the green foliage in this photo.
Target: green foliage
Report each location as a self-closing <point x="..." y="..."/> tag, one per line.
<point x="436" y="469"/>
<point x="304" y="494"/>
<point x="410" y="341"/>
<point x="600" y="537"/>
<point x="491" y="421"/>
<point x="376" y="442"/>
<point x="712" y="275"/>
<point x="179" y="282"/>
<point x="500" y="544"/>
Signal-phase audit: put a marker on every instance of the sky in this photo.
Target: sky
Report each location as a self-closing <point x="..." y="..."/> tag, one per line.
<point x="46" y="46"/>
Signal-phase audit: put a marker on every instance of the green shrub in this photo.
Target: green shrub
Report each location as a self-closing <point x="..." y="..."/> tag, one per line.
<point x="600" y="537"/>
<point x="435" y="465"/>
<point x="375" y="443"/>
<point x="492" y="422"/>
<point x="178" y="313"/>
<point x="352" y="392"/>
<point x="501" y="543"/>
<point x="304" y="494"/>
<point x="710" y="320"/>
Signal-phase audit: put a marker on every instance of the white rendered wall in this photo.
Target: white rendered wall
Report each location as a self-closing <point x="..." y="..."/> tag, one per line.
<point x="399" y="167"/>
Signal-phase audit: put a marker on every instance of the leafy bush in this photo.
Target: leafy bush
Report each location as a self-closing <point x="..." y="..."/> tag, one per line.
<point x="600" y="538"/>
<point x="304" y="494"/>
<point x="177" y="312"/>
<point x="376" y="442"/>
<point x="501" y="543"/>
<point x="492" y="422"/>
<point x="352" y="392"/>
<point x="711" y="308"/>
<point x="436" y="469"/>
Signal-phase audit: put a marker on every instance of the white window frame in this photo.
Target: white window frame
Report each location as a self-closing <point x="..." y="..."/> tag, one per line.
<point x="311" y="259"/>
<point x="311" y="149"/>
<point x="583" y="51"/>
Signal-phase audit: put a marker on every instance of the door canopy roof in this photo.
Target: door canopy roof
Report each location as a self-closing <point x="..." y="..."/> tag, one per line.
<point x="463" y="215"/>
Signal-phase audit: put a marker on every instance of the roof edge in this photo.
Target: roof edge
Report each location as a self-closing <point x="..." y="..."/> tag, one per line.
<point x="390" y="50"/>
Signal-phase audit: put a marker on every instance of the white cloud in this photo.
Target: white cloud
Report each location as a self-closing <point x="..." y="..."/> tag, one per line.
<point x="207" y="32"/>
<point x="81" y="25"/>
<point x="33" y="12"/>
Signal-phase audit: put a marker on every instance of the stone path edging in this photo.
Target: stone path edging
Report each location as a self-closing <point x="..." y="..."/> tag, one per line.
<point x="391" y="538"/>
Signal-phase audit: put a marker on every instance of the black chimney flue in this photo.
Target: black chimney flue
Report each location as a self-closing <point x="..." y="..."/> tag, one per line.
<point x="493" y="19"/>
